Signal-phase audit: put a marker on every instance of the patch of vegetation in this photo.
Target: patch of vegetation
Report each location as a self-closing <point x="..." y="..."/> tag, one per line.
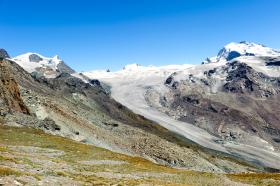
<point x="75" y="152"/>
<point x="5" y="171"/>
<point x="5" y="158"/>
<point x="260" y="179"/>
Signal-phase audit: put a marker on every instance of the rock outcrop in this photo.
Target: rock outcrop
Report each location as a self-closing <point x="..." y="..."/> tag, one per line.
<point x="244" y="79"/>
<point x="3" y="54"/>
<point x="10" y="99"/>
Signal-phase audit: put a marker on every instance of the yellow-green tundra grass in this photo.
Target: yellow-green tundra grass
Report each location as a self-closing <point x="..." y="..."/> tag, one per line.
<point x="32" y="157"/>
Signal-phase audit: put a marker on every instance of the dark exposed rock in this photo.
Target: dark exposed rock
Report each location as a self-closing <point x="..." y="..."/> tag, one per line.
<point x="169" y="80"/>
<point x="232" y="55"/>
<point x="35" y="58"/>
<point x="210" y="72"/>
<point x="95" y="82"/>
<point x="277" y="140"/>
<point x="205" y="82"/>
<point x="193" y="99"/>
<point x="274" y="63"/>
<point x="3" y="54"/>
<point x="63" y="68"/>
<point x="111" y="124"/>
<point x="49" y="124"/>
<point x="195" y="106"/>
<point x="244" y="79"/>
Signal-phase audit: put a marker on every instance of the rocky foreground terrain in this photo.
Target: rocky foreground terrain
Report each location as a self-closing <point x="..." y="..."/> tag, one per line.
<point x="44" y="93"/>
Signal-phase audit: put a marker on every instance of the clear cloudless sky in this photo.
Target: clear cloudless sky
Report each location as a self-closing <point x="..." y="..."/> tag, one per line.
<point x="101" y="34"/>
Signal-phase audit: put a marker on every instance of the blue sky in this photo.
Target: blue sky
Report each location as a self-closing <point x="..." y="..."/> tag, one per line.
<point x="101" y="34"/>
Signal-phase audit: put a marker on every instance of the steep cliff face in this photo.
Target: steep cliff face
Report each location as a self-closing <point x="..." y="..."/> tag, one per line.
<point x="10" y="100"/>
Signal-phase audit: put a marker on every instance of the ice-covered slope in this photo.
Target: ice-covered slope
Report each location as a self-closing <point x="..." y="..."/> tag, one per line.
<point x="46" y="66"/>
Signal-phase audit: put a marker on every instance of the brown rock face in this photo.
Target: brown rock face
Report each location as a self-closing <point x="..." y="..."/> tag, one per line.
<point x="10" y="100"/>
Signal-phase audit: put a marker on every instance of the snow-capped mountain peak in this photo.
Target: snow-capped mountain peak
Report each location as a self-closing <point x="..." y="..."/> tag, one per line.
<point x="31" y="61"/>
<point x="234" y="50"/>
<point x="47" y="66"/>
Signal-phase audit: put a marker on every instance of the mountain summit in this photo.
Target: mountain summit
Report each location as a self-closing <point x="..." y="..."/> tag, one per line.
<point x="43" y="66"/>
<point x="234" y="50"/>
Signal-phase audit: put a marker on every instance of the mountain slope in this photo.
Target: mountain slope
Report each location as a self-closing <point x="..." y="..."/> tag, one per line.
<point x="9" y="92"/>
